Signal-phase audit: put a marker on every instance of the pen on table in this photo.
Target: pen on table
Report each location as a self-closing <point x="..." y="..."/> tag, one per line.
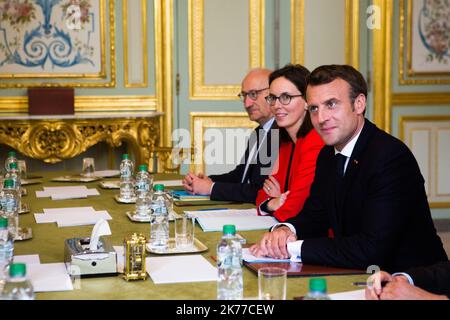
<point x="213" y="209"/>
<point x="364" y="284"/>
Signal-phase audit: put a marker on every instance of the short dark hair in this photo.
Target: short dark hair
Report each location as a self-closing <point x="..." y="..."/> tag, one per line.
<point x="328" y="73"/>
<point x="297" y="74"/>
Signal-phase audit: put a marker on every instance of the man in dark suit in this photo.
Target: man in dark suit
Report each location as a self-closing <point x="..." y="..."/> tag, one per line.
<point x="367" y="189"/>
<point x="242" y="183"/>
<point x="422" y="283"/>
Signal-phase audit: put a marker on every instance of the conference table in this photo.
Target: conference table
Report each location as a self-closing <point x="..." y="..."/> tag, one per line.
<point x="48" y="242"/>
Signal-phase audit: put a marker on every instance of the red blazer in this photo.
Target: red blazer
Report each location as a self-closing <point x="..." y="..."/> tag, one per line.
<point x="301" y="175"/>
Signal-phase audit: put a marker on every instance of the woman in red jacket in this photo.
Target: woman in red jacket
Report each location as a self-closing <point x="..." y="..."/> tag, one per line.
<point x="286" y="190"/>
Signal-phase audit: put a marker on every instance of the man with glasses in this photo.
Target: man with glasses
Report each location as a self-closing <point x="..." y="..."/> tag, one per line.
<point x="367" y="188"/>
<point x="242" y="183"/>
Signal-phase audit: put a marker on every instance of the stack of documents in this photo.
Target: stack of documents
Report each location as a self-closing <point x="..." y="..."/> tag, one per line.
<point x="182" y="195"/>
<point x="243" y="219"/>
<point x="69" y="217"/>
<point x="70" y="192"/>
<point x="247" y="256"/>
<point x="47" y="276"/>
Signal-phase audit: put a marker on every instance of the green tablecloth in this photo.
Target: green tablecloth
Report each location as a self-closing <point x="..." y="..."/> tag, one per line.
<point x="48" y="242"/>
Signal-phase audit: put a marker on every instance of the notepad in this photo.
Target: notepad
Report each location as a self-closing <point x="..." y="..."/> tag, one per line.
<point x="170" y="269"/>
<point x="183" y="195"/>
<point x="244" y="220"/>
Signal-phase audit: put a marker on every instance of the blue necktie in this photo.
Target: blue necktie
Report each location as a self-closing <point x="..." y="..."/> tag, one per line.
<point x="340" y="164"/>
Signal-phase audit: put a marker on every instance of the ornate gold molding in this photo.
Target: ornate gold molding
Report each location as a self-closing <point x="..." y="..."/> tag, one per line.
<point x="55" y="140"/>
<point x="382" y="60"/>
<point x="164" y="39"/>
<point x="401" y="52"/>
<point x="125" y="30"/>
<point x="426" y="98"/>
<point x="112" y="57"/>
<point x="352" y="33"/>
<point x="89" y="104"/>
<point x="198" y="90"/>
<point x="201" y="121"/>
<point x="297" y="31"/>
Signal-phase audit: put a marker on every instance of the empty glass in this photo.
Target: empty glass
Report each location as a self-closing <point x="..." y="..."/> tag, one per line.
<point x="22" y="165"/>
<point x="88" y="167"/>
<point x="272" y="283"/>
<point x="184" y="232"/>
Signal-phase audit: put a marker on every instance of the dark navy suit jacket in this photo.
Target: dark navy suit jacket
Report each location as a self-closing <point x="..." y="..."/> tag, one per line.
<point x="382" y="217"/>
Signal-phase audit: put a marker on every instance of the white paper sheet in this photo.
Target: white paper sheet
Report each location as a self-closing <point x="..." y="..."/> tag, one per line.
<point x="69" y="210"/>
<point x="241" y="223"/>
<point x="49" y="277"/>
<point x="68" y="192"/>
<point x="170" y="270"/>
<point x="348" y="295"/>
<point x="169" y="183"/>
<point x="247" y="256"/>
<point x="106" y="173"/>
<point x="221" y="213"/>
<point x="82" y="219"/>
<point x="28" y="259"/>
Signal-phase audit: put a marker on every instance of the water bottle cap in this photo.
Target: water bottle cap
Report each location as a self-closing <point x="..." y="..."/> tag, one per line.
<point x="11" y="154"/>
<point x="8" y="183"/>
<point x="158" y="187"/>
<point x="229" y="229"/>
<point x="17" y="270"/>
<point x="143" y="167"/>
<point x="13" y="165"/>
<point x="3" y="223"/>
<point x="318" y="284"/>
<point x="125" y="156"/>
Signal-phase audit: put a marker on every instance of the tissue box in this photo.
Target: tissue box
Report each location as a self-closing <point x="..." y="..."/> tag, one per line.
<point x="80" y="261"/>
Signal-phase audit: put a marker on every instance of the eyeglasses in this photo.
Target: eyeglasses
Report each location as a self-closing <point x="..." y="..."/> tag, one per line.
<point x="284" y="98"/>
<point x="252" y="94"/>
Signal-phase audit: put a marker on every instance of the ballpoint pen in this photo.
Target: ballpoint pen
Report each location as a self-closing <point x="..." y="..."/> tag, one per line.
<point x="364" y="283"/>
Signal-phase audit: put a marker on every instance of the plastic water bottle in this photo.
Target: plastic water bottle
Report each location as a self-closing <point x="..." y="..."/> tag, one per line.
<point x="143" y="189"/>
<point x="6" y="249"/>
<point x="317" y="289"/>
<point x="14" y="175"/>
<point x="9" y="206"/>
<point x="159" y="218"/>
<point x="126" y="178"/>
<point x="11" y="158"/>
<point x="229" y="264"/>
<point x="17" y="286"/>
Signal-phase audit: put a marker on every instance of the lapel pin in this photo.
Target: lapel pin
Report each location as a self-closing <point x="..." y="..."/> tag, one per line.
<point x="355" y="161"/>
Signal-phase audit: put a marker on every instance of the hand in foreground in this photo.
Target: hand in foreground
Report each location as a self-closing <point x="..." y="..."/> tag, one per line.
<point x="374" y="286"/>
<point x="187" y="182"/>
<point x="272" y="187"/>
<point x="397" y="288"/>
<point x="273" y="244"/>
<point x="276" y="203"/>
<point x="200" y="184"/>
